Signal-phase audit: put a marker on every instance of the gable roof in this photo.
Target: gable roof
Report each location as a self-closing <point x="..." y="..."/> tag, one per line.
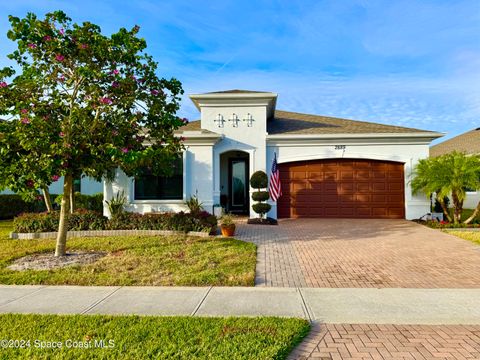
<point x="286" y="122"/>
<point x="468" y="142"/>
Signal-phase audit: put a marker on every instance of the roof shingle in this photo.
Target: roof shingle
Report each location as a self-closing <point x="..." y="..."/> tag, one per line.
<point x="468" y="143"/>
<point x="286" y="122"/>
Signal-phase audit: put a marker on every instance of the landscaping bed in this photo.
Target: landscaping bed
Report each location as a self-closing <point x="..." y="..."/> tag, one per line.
<point x="136" y="260"/>
<point x="84" y="220"/>
<point x="142" y="337"/>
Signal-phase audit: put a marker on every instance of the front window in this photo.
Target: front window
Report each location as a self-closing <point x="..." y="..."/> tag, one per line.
<point x="151" y="187"/>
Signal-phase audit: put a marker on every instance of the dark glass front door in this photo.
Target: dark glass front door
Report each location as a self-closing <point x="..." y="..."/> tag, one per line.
<point x="238" y="186"/>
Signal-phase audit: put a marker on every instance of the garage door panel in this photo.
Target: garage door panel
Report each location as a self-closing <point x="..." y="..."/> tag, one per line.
<point x="363" y="187"/>
<point x="342" y="188"/>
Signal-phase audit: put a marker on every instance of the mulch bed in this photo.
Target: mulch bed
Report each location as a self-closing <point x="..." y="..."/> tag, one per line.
<point x="50" y="261"/>
<point x="258" y="221"/>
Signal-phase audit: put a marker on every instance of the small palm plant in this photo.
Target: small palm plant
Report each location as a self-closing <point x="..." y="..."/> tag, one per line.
<point x="116" y="204"/>
<point x="449" y="175"/>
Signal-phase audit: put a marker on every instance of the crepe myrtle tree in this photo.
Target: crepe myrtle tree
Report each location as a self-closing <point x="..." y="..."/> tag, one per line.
<point x="449" y="175"/>
<point x="18" y="175"/>
<point x="83" y="103"/>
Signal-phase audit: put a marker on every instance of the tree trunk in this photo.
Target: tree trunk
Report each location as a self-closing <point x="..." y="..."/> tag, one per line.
<point x="46" y="197"/>
<point x="60" y="249"/>
<point x="445" y="210"/>
<point x="457" y="208"/>
<point x="72" y="199"/>
<point x="474" y="214"/>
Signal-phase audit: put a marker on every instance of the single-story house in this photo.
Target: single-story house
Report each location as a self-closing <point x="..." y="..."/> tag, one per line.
<point x="468" y="143"/>
<point x="329" y="167"/>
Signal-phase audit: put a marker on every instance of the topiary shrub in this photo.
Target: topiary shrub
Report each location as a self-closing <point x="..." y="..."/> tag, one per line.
<point x="259" y="180"/>
<point x="260" y="196"/>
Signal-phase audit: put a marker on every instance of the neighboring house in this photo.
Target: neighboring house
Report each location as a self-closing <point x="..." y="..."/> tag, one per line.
<point x="86" y="185"/>
<point x="329" y="167"/>
<point x="468" y="143"/>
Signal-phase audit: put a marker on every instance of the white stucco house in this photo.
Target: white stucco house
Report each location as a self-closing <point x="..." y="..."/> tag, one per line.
<point x="329" y="167"/>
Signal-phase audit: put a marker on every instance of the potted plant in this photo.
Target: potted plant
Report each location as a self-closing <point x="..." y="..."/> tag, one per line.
<point x="227" y="225"/>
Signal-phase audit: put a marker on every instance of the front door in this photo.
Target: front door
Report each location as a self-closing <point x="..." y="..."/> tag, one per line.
<point x="238" y="186"/>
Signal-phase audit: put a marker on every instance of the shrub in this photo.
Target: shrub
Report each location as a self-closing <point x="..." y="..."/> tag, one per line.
<point x="260" y="196"/>
<point x="116" y="204"/>
<point x="194" y="205"/>
<point x="83" y="219"/>
<point x="36" y="222"/>
<point x="259" y="180"/>
<point x="48" y="222"/>
<point x="89" y="202"/>
<point x="261" y="208"/>
<point x="90" y="220"/>
<point x="12" y="205"/>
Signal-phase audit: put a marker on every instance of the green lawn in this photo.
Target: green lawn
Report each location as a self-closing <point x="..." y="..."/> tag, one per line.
<point x="141" y="337"/>
<point x="473" y="236"/>
<point x="138" y="260"/>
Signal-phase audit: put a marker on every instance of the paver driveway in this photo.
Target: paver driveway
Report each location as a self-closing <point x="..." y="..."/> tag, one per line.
<point x="361" y="253"/>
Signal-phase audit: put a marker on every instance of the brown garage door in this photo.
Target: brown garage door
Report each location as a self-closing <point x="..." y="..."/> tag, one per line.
<point x="342" y="188"/>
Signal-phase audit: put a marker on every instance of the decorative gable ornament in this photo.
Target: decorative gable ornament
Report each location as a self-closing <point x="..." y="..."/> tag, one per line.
<point x="249" y="120"/>
<point x="234" y="119"/>
<point x="219" y="120"/>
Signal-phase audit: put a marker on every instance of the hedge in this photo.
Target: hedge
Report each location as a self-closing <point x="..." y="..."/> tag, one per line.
<point x="13" y="205"/>
<point x="91" y="220"/>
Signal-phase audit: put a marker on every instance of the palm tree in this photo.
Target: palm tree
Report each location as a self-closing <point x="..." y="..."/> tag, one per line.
<point x="449" y="175"/>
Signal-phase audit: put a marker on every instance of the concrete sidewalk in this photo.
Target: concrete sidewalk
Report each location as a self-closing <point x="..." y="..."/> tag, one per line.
<point x="335" y="306"/>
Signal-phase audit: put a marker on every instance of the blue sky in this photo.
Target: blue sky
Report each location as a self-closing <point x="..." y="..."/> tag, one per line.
<point x="409" y="63"/>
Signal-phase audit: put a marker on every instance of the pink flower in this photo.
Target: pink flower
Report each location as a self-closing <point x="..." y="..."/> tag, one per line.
<point x="60" y="57"/>
<point x="55" y="177"/>
<point x="61" y="78"/>
<point x="115" y="72"/>
<point x="115" y="84"/>
<point x="3" y="84"/>
<point x="154" y="92"/>
<point x="124" y="150"/>
<point x="32" y="46"/>
<point x="106" y="100"/>
<point x="25" y="121"/>
<point x="47" y="38"/>
<point x="182" y="138"/>
<point x="83" y="46"/>
<point x="39" y="197"/>
<point x="61" y="133"/>
<point x="62" y="31"/>
<point x="24" y="111"/>
<point x="30" y="183"/>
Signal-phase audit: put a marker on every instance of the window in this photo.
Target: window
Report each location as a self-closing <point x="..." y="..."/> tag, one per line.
<point x="151" y="187"/>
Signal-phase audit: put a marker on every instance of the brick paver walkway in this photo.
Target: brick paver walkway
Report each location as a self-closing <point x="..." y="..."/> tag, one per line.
<point x="390" y="342"/>
<point x="361" y="253"/>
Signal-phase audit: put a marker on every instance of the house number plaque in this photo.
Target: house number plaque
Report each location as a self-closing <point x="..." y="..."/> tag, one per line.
<point x="340" y="147"/>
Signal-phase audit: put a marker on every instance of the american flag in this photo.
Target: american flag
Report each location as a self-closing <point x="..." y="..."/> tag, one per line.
<point x="275" y="188"/>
